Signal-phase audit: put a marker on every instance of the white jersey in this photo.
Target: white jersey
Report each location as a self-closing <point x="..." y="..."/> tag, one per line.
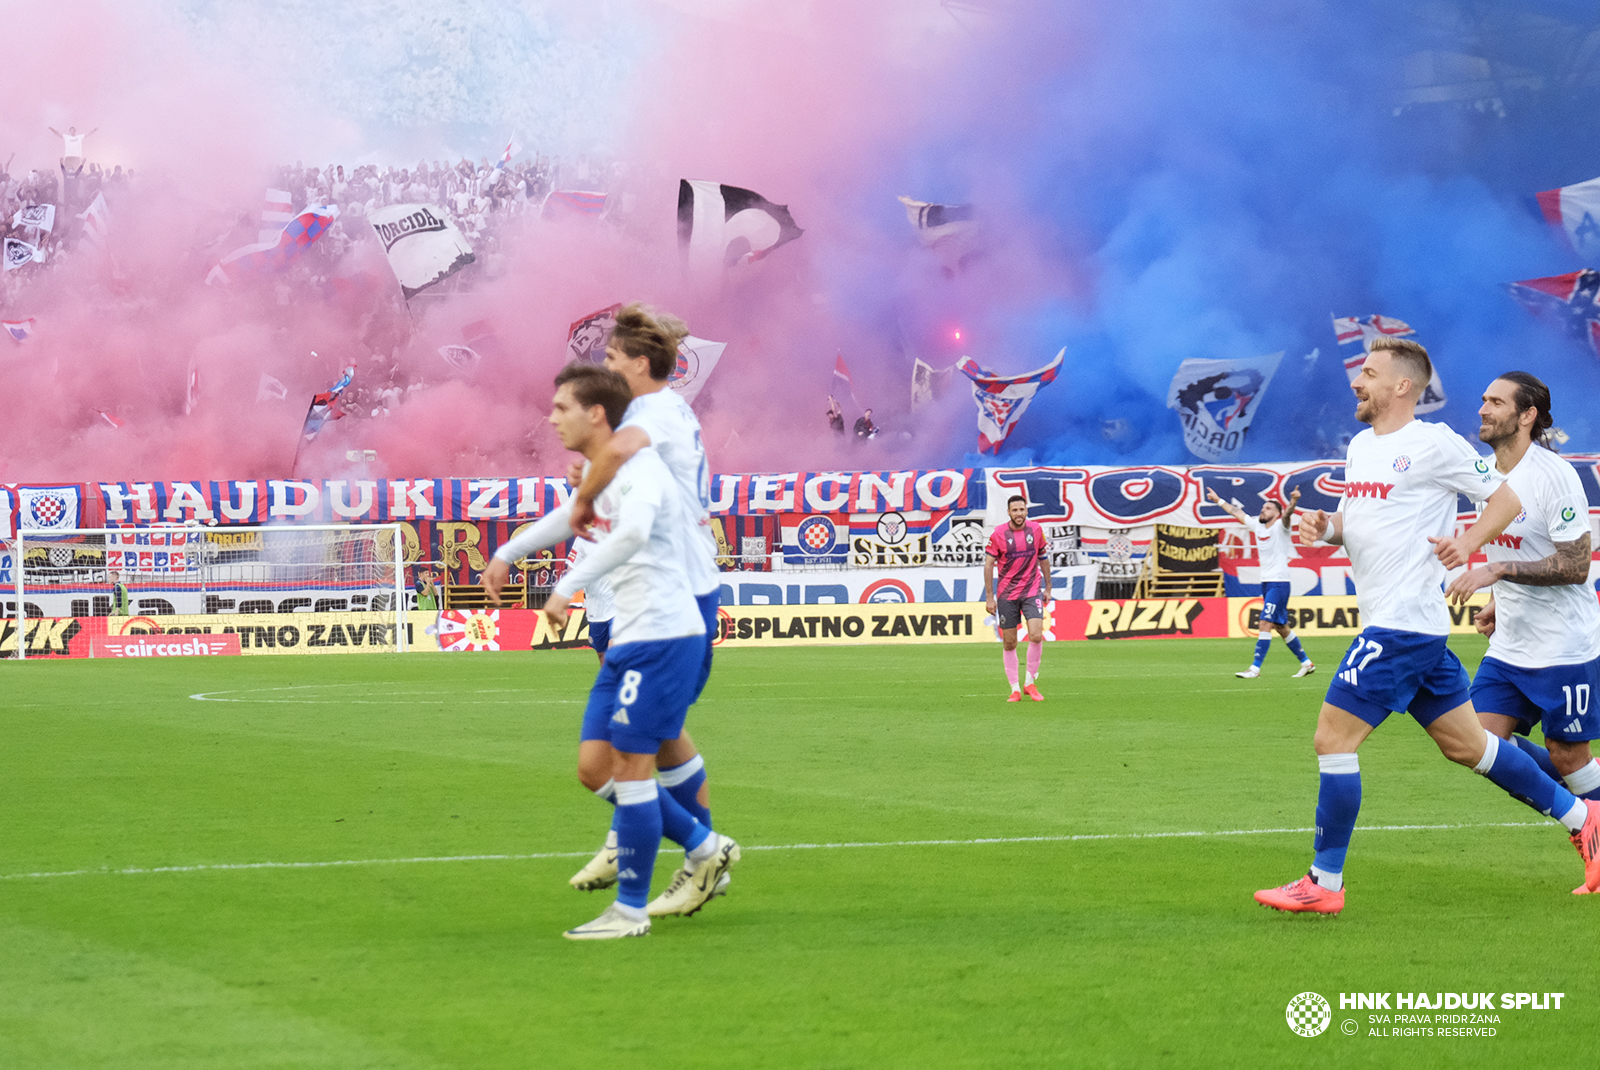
<point x="598" y="602"/>
<point x="1272" y="543"/>
<point x="1400" y="489"/>
<point x="641" y="548"/>
<point x="675" y="433"/>
<point x="1539" y="626"/>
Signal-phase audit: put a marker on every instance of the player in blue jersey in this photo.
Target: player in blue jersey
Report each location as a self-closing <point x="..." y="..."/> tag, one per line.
<point x="1271" y="530"/>
<point x="1397" y="522"/>
<point x="1543" y="622"/>
<point x="643" y="348"/>
<point x="652" y="666"/>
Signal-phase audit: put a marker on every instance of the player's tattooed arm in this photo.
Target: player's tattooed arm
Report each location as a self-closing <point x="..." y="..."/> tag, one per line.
<point x="1569" y="564"/>
<point x="1294" y="500"/>
<point x="1227" y="507"/>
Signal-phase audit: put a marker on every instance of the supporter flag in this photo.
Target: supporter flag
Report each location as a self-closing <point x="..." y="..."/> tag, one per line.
<point x="1572" y="211"/>
<point x="191" y="392"/>
<point x="275" y="215"/>
<point x="573" y="204"/>
<point x="587" y="337"/>
<point x="270" y="389"/>
<point x="108" y="418"/>
<point x="1364" y="329"/>
<point x="95" y="218"/>
<point x="842" y="386"/>
<point x="462" y="358"/>
<point x="928" y="382"/>
<point x="269" y="258"/>
<point x="697" y="359"/>
<point x="1216" y="401"/>
<point x="37" y="216"/>
<point x="19" y="253"/>
<point x="505" y="157"/>
<point x="325" y="406"/>
<point x="424" y="248"/>
<point x="480" y="336"/>
<point x="48" y="508"/>
<point x="1002" y="399"/>
<point x="719" y="225"/>
<point x="1573" y="300"/>
<point x="19" y="330"/>
<point x="948" y="229"/>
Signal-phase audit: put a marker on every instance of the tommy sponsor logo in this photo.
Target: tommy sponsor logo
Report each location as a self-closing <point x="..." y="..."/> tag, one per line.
<point x="1368" y="490"/>
<point x="419" y="222"/>
<point x="1513" y="542"/>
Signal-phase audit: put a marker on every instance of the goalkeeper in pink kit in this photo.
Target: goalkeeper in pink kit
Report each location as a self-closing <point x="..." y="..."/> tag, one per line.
<point x="1021" y="554"/>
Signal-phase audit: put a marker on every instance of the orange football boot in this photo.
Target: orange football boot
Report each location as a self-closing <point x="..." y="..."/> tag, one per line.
<point x="1304" y="896"/>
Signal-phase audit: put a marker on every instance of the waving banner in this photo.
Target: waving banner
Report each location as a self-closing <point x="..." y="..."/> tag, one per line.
<point x="1364" y="329"/>
<point x="1216" y="401"/>
<point x="423" y="246"/>
<point x="1002" y="399"/>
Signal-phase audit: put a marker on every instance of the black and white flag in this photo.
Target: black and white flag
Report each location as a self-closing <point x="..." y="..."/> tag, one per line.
<point x="19" y="253"/>
<point x="38" y="216"/>
<point x="719" y="226"/>
<point x="423" y="246"/>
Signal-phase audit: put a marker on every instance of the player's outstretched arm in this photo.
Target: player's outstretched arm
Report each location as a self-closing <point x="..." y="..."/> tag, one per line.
<point x="1227" y="507"/>
<point x="602" y="470"/>
<point x="542" y="533"/>
<point x="1288" y="515"/>
<point x="1499" y="511"/>
<point x="1569" y="564"/>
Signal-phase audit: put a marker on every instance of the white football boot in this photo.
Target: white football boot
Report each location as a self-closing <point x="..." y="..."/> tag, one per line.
<point x="1306" y="669"/>
<point x="611" y="925"/>
<point x="1249" y="674"/>
<point x="599" y="872"/>
<point x="692" y="888"/>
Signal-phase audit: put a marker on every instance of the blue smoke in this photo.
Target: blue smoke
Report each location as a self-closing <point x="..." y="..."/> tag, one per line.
<point x="1215" y="180"/>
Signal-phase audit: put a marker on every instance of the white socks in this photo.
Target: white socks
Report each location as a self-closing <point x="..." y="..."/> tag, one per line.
<point x="1586" y="779"/>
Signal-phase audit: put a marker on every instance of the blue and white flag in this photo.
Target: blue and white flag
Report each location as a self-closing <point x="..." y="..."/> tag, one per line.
<point x="1002" y="399"/>
<point x="1365" y="329"/>
<point x="1572" y="210"/>
<point x="48" y="508"/>
<point x="1216" y="401"/>
<point x="325" y="406"/>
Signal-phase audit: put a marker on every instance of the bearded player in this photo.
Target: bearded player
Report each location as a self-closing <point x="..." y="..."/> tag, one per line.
<point x="1021" y="554"/>
<point x="1396" y="521"/>
<point x="1543" y="622"/>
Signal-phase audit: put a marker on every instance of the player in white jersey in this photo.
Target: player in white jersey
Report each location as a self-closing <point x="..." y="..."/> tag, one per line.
<point x="652" y="666"/>
<point x="1396" y="521"/>
<point x="1543" y="621"/>
<point x="643" y="348"/>
<point x="598" y="603"/>
<point x="1271" y="530"/>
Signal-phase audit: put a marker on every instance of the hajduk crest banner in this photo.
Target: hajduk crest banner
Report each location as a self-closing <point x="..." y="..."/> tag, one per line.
<point x="423" y="246"/>
<point x="587" y="337"/>
<point x="48" y="508"/>
<point x="697" y="359"/>
<point x="1217" y="400"/>
<point x="1002" y="399"/>
<point x="1363" y="329"/>
<point x="19" y="253"/>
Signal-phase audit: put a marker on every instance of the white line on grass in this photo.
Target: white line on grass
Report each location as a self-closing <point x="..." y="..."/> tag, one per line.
<point x="848" y="845"/>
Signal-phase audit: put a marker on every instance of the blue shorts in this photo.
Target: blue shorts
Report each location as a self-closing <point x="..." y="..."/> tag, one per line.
<point x="709" y="604"/>
<point x="1558" y="698"/>
<point x="642" y="694"/>
<point x="1275" y="602"/>
<point x="600" y="635"/>
<point x="1386" y="670"/>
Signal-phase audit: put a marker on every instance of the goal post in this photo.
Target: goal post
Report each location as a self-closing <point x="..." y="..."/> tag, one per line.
<point x="195" y="570"/>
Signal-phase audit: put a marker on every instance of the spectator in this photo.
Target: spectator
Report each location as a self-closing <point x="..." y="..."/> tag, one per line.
<point x="835" y="417"/>
<point x="865" y="428"/>
<point x="71" y="147"/>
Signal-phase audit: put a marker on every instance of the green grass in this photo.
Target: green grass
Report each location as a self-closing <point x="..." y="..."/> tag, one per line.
<point x="1112" y="952"/>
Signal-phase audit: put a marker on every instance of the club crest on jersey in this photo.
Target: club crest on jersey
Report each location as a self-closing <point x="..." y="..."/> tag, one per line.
<point x="1402" y="462"/>
<point x="1523" y="515"/>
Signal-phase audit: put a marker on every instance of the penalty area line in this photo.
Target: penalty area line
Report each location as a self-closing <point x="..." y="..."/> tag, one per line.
<point x="217" y="867"/>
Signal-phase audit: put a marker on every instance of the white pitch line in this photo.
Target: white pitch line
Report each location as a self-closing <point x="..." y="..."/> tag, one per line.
<point x="846" y="845"/>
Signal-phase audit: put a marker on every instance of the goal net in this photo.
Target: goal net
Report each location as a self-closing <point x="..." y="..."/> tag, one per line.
<point x="193" y="570"/>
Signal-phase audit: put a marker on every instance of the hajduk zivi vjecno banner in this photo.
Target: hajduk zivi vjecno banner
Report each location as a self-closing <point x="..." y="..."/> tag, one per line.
<point x="423" y="246"/>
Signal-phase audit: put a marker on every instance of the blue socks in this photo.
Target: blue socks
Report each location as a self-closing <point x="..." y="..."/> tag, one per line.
<point x="1338" y="803"/>
<point x="1519" y="775"/>
<point x="1293" y="642"/>
<point x="1263" y="645"/>
<point x="1538" y="754"/>
<point x="683" y="784"/>
<point x="638" y="822"/>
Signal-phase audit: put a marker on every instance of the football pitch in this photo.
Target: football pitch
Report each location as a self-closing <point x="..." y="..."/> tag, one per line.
<point x="360" y="861"/>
